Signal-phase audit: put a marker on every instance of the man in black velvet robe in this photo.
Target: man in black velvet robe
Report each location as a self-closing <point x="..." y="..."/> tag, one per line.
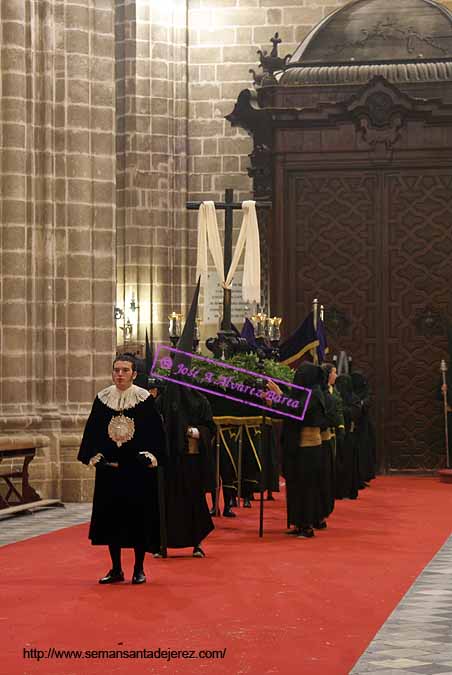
<point x="124" y="440"/>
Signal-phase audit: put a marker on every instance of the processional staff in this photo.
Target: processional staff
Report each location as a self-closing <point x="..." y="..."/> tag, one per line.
<point x="443" y="369"/>
<point x="315" y="320"/>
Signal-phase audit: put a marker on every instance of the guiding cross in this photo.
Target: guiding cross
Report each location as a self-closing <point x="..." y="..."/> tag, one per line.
<point x="228" y="206"/>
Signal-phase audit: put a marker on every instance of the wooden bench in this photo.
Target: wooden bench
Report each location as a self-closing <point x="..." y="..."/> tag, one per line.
<point x="16" y="495"/>
<point x="20" y="496"/>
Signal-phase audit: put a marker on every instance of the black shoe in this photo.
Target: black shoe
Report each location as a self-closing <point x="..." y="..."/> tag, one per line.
<point x="270" y="498"/>
<point x="227" y="513"/>
<point x="138" y="577"/>
<point x="305" y="533"/>
<point x="112" y="577"/>
<point x="293" y="533"/>
<point x="213" y="512"/>
<point x="198" y="552"/>
<point x="246" y="503"/>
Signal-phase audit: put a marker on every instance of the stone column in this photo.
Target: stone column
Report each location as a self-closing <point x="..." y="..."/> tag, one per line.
<point x="151" y="105"/>
<point x="58" y="222"/>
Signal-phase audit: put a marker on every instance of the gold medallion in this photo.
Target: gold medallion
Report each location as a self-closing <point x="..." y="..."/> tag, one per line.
<point x="121" y="429"/>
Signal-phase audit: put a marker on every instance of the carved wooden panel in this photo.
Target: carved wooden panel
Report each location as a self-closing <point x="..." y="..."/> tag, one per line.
<point x="334" y="233"/>
<point x="419" y="273"/>
<point x="335" y="219"/>
<point x="376" y="246"/>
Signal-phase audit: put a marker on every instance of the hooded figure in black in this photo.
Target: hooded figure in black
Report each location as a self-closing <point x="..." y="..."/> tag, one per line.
<point x="347" y="480"/>
<point x="364" y="431"/>
<point x="302" y="456"/>
<point x="124" y="440"/>
<point x="189" y="430"/>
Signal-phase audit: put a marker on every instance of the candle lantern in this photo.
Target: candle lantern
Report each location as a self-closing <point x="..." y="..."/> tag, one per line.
<point x="275" y="335"/>
<point x="259" y="321"/>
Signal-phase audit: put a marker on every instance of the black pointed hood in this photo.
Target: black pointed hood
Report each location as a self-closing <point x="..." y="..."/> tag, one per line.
<point x="178" y="400"/>
<point x="185" y="342"/>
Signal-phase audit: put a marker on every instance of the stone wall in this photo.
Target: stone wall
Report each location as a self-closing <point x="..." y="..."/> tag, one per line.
<point x="224" y="36"/>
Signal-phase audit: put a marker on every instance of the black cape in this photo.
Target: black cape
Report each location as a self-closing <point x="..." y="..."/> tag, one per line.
<point x="364" y="432"/>
<point x="347" y="476"/>
<point x="187" y="477"/>
<point x="125" y="503"/>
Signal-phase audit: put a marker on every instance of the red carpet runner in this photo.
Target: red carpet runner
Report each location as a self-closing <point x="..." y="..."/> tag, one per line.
<point x="277" y="605"/>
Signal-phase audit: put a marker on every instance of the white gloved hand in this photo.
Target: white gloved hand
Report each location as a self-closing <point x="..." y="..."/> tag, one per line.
<point x="193" y="432"/>
<point x="150" y="456"/>
<point x="96" y="459"/>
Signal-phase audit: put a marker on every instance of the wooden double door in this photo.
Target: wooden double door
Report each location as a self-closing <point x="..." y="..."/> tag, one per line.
<point x="375" y="246"/>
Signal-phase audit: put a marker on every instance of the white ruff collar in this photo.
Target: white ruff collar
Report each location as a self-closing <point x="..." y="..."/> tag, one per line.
<point x="122" y="400"/>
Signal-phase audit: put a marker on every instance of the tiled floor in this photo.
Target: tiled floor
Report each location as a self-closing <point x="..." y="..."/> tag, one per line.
<point x="25" y="526"/>
<point x="416" y="639"/>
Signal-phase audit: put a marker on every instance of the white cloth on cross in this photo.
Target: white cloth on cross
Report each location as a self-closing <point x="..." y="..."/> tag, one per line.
<point x="208" y="235"/>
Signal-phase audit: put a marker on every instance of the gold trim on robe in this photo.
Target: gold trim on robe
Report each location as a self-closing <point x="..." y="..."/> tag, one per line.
<point x="310" y="436"/>
<point x="193" y="446"/>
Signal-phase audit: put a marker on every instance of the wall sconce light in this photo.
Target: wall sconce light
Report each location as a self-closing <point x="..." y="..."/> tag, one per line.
<point x="128" y="330"/>
<point x="133" y="306"/>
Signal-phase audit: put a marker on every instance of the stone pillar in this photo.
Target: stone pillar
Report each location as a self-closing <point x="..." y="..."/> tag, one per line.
<point x="151" y="108"/>
<point x="58" y="221"/>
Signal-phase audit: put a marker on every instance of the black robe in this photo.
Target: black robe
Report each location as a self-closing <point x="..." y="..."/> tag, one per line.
<point x="328" y="485"/>
<point x="187" y="477"/>
<point x="125" y="503"/>
<point x="347" y="478"/>
<point x="303" y="466"/>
